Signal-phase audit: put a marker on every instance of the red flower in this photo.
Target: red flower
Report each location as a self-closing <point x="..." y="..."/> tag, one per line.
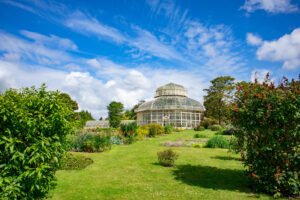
<point x="235" y="108"/>
<point x="253" y="175"/>
<point x="287" y="162"/>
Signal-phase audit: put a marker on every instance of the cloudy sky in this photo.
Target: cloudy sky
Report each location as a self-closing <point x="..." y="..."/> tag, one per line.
<point x="122" y="50"/>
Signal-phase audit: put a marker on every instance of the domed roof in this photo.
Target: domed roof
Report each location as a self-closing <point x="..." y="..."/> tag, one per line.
<point x="171" y="97"/>
<point x="171" y="89"/>
<point x="171" y="103"/>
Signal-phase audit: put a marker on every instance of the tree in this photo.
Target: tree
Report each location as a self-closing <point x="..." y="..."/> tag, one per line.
<point x="69" y="101"/>
<point x="218" y="98"/>
<point x="130" y="114"/>
<point x="79" y="118"/>
<point x="82" y="117"/>
<point x="115" y="110"/>
<point x="33" y="128"/>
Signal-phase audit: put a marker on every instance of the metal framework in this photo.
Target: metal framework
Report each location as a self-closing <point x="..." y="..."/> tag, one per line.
<point x="171" y="106"/>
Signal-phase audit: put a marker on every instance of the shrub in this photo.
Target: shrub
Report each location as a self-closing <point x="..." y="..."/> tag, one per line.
<point x="33" y="128"/>
<point x="215" y="127"/>
<point x="233" y="144"/>
<point x="267" y="121"/>
<point x="197" y="145"/>
<point x="142" y="132"/>
<point x="199" y="128"/>
<point x="198" y="135"/>
<point x="75" y="162"/>
<point x="71" y="140"/>
<point x="128" y="129"/>
<point x="178" y="129"/>
<point x="116" y="139"/>
<point x="228" y="131"/>
<point x="92" y="142"/>
<point x="167" y="158"/>
<point x="155" y="129"/>
<point x="217" y="141"/>
<point x="129" y="132"/>
<point x="130" y="139"/>
<point x="206" y="122"/>
<point x="168" y="129"/>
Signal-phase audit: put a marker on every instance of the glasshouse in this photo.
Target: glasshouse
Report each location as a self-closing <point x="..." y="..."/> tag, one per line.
<point x="171" y="106"/>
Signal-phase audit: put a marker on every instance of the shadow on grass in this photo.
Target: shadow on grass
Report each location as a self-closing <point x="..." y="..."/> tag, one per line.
<point x="212" y="177"/>
<point x="156" y="163"/>
<point x="226" y="158"/>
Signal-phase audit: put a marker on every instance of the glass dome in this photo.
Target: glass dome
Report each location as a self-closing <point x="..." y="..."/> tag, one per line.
<point x="171" y="89"/>
<point x="171" y="103"/>
<point x="172" y="106"/>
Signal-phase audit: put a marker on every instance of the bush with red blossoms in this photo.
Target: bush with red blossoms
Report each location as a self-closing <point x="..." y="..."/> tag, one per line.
<point x="267" y="122"/>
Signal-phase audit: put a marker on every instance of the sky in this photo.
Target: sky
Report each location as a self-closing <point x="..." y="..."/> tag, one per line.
<point x="122" y="50"/>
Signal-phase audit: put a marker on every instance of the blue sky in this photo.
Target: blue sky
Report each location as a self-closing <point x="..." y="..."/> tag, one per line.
<point x="99" y="51"/>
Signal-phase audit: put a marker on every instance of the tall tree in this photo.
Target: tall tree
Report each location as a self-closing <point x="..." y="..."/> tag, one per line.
<point x="115" y="110"/>
<point x="69" y="101"/>
<point x="218" y="98"/>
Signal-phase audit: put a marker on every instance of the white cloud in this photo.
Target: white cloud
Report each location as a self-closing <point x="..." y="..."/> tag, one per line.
<point x="85" y="24"/>
<point x="285" y="49"/>
<point x="272" y="6"/>
<point x="198" y="35"/>
<point x="15" y="75"/>
<point x="147" y="42"/>
<point x="94" y="63"/>
<point x="253" y="39"/>
<point x="209" y="50"/>
<point x="172" y="12"/>
<point x="213" y="46"/>
<point x="144" y="40"/>
<point x="50" y="41"/>
<point x="39" y="51"/>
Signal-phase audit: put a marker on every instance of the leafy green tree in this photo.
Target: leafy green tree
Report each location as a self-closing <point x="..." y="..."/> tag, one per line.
<point x="130" y="114"/>
<point x="218" y="99"/>
<point x="82" y="117"/>
<point x="33" y="129"/>
<point x="267" y="122"/>
<point x="79" y="118"/>
<point x="69" y="101"/>
<point x="115" y="110"/>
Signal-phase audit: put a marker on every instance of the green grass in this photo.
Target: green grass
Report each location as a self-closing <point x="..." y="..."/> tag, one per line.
<point x="132" y="172"/>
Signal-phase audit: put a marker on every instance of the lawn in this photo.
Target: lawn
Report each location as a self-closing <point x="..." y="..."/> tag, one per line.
<point x="132" y="172"/>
